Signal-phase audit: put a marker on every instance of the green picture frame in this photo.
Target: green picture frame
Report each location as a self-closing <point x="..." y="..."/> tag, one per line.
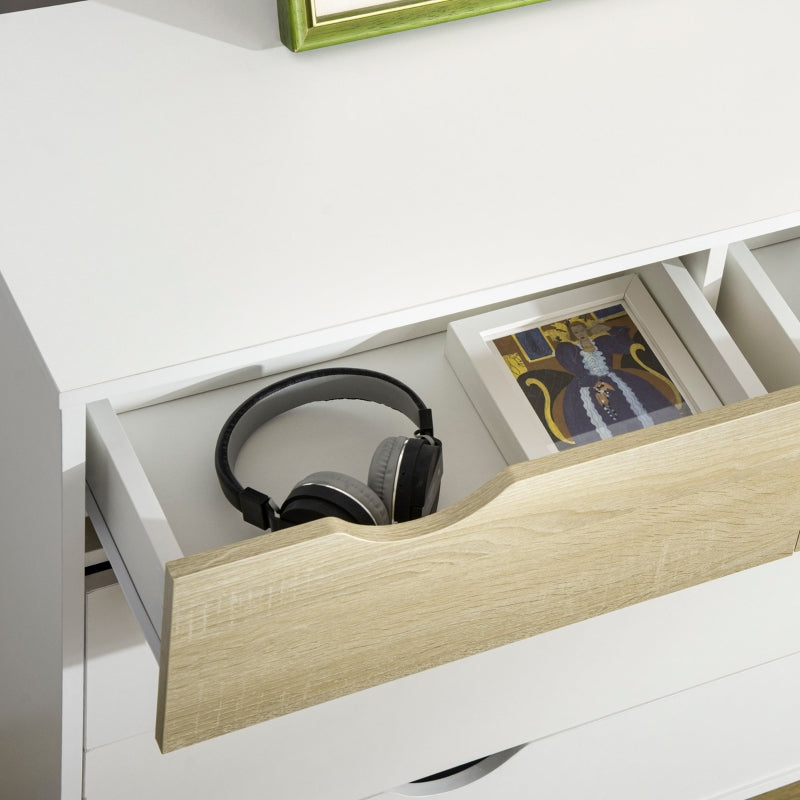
<point x="302" y="29"/>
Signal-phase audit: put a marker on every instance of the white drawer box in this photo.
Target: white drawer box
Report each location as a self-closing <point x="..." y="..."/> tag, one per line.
<point x="493" y="683"/>
<point x="759" y="303"/>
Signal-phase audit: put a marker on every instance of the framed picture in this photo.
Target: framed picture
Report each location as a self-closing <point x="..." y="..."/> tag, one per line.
<point x="307" y="24"/>
<point x="583" y="365"/>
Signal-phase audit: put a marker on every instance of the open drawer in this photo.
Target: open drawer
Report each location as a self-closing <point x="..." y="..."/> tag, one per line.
<point x="759" y="302"/>
<point x="249" y="628"/>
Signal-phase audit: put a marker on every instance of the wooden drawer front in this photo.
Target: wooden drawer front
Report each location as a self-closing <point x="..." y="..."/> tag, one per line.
<point x="277" y="623"/>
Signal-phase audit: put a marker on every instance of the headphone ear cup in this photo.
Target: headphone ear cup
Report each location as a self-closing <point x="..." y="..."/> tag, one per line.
<point x="333" y="494"/>
<point x="382" y="478"/>
<point x="406" y="474"/>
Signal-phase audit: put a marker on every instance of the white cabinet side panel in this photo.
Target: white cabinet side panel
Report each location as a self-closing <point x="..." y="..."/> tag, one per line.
<point x="40" y="599"/>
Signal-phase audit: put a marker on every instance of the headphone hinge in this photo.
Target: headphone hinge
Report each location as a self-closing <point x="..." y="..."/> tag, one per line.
<point x="425" y="422"/>
<point x="257" y="508"/>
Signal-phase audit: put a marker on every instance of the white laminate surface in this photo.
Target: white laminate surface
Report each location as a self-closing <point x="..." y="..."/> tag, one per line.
<point x="168" y="196"/>
<point x="121" y="673"/>
<point x="690" y="745"/>
<point x="41" y="576"/>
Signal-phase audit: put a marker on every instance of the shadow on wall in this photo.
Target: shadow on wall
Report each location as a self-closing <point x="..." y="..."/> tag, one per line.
<point x="252" y="24"/>
<point x="26" y="5"/>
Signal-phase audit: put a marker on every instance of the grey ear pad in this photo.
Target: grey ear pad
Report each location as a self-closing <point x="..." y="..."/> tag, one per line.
<point x="382" y="478"/>
<point x="352" y="489"/>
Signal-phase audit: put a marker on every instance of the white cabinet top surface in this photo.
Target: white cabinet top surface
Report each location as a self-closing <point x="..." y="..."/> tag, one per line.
<point x="168" y="195"/>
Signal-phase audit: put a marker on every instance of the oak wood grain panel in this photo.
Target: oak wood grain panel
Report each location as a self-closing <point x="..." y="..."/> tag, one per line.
<point x="280" y="622"/>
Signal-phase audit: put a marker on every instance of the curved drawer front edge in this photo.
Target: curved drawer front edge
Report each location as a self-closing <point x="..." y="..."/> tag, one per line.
<point x="278" y="623"/>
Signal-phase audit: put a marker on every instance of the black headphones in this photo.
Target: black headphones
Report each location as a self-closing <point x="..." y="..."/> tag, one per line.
<point x="404" y="475"/>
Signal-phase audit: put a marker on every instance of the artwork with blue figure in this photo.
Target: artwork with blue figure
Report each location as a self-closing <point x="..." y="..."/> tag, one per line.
<point x="591" y="377"/>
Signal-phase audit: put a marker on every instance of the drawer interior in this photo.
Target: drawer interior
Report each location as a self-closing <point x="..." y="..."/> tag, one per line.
<point x="151" y="470"/>
<point x="175" y="442"/>
<point x="759" y="303"/>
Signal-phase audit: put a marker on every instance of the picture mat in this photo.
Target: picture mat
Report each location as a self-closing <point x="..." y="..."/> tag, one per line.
<point x="323" y="11"/>
<point x="493" y="389"/>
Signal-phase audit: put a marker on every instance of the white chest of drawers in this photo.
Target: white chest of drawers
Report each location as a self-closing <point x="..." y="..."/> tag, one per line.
<point x="177" y="209"/>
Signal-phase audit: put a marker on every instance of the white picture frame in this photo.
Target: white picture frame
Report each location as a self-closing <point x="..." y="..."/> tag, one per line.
<point x="519" y="430"/>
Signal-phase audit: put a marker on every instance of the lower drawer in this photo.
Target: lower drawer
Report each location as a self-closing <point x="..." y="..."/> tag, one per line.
<point x="480" y="621"/>
<point x="729" y="739"/>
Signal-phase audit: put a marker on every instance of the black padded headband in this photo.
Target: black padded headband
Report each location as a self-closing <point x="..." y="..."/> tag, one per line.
<point x="342" y="383"/>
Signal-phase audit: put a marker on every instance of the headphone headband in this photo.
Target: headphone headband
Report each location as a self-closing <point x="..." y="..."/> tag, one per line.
<point x="342" y="383"/>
